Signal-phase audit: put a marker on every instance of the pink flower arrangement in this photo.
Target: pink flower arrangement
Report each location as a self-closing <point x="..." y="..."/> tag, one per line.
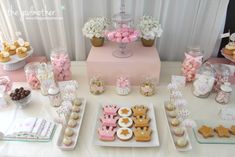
<point x="124" y="34"/>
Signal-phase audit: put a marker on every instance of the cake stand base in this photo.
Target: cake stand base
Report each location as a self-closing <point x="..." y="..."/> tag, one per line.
<point x="122" y="51"/>
<point x="14" y="66"/>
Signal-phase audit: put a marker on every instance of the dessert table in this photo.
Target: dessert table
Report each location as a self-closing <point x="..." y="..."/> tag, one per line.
<point x="200" y="109"/>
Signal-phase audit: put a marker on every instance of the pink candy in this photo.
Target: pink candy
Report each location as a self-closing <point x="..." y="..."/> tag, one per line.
<point x="33" y="81"/>
<point x="61" y="66"/>
<point x="123" y="82"/>
<point x="123" y="35"/>
<point x="6" y="83"/>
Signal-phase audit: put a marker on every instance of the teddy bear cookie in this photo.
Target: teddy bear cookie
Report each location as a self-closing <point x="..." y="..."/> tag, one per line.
<point x="124" y="134"/>
<point x="206" y="131"/>
<point x="124" y="112"/>
<point x="106" y="133"/>
<point x="141" y="121"/>
<point x="139" y="110"/>
<point x="125" y="122"/>
<point x="142" y="135"/>
<point x="4" y="56"/>
<point x="21" y="52"/>
<point x="222" y="131"/>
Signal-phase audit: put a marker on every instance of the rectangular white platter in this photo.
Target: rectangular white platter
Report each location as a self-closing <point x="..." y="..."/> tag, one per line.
<point x="173" y="137"/>
<point x="131" y="143"/>
<point x="215" y="139"/>
<point x="76" y="130"/>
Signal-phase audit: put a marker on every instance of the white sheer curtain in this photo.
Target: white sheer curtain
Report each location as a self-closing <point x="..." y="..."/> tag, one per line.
<point x="194" y="23"/>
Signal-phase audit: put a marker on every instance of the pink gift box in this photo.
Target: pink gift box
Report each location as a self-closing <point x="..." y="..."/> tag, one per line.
<point x="144" y="62"/>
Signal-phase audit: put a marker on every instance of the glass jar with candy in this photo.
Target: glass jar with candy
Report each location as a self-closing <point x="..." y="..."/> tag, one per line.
<point x="223" y="96"/>
<point x="30" y="70"/>
<point x="123" y="85"/>
<point x="221" y="76"/>
<point x="54" y="96"/>
<point x="147" y="87"/>
<point x="204" y="81"/>
<point x="96" y="85"/>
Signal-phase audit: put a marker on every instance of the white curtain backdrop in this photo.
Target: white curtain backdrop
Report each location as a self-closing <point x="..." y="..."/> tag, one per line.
<point x="186" y="23"/>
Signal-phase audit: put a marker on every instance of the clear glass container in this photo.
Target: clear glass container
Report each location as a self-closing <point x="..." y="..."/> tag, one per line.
<point x="96" y="86"/>
<point x="123" y="85"/>
<point x="221" y="76"/>
<point x="147" y="87"/>
<point x="31" y="75"/>
<point x="192" y="62"/>
<point x="54" y="96"/>
<point x="204" y="81"/>
<point x="223" y="96"/>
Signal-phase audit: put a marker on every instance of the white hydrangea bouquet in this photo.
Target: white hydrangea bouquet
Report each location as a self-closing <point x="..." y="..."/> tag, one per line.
<point x="95" y="27"/>
<point x="149" y="28"/>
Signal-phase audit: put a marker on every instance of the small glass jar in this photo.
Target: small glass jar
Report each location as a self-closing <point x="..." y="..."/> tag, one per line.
<point x="223" y="96"/>
<point x="123" y="85"/>
<point x="191" y="63"/>
<point x="221" y="76"/>
<point x="3" y="101"/>
<point x="31" y="75"/>
<point x="61" y="64"/>
<point x="54" y="96"/>
<point x="147" y="88"/>
<point x="96" y="86"/>
<point x="46" y="77"/>
<point x="204" y="81"/>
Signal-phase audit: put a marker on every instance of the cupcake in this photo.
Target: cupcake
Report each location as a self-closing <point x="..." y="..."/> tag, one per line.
<point x="6" y="46"/>
<point x="179" y="131"/>
<point x="21" y="52"/>
<point x="16" y="44"/>
<point x="4" y="56"/>
<point x="175" y="122"/>
<point x="229" y="48"/>
<point x="27" y="46"/>
<point x="12" y="50"/>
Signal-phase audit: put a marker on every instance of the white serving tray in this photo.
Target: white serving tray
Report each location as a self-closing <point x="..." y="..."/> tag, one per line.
<point x="76" y="130"/>
<point x="173" y="137"/>
<point x="131" y="143"/>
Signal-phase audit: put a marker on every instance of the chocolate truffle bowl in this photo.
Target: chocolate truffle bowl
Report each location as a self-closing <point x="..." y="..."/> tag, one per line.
<point x="21" y="97"/>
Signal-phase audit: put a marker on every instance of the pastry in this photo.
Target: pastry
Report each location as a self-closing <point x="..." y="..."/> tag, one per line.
<point x="69" y="132"/>
<point x="181" y="142"/>
<point x="4" y="56"/>
<point x="109" y="120"/>
<point x="12" y="50"/>
<point x="77" y="102"/>
<point x="175" y="122"/>
<point x="170" y="107"/>
<point x="21" y="52"/>
<point x="139" y="110"/>
<point x="142" y="135"/>
<point x="124" y="112"/>
<point x="27" y="46"/>
<point x="124" y="134"/>
<point x="232" y="129"/>
<point x="74" y="115"/>
<point x="106" y="133"/>
<point x="222" y="131"/>
<point x="179" y="131"/>
<point x="172" y="114"/>
<point x="67" y="141"/>
<point x="206" y="131"/>
<point x="6" y="46"/>
<point x="229" y="48"/>
<point x="75" y="108"/>
<point x="125" y="122"/>
<point x="72" y="123"/>
<point x="16" y="44"/>
<point x="110" y="109"/>
<point x="141" y="121"/>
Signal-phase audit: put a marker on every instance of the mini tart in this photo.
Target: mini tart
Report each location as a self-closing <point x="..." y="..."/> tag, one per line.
<point x="27" y="46"/>
<point x="74" y="115"/>
<point x="75" y="108"/>
<point x="67" y="141"/>
<point x="124" y="112"/>
<point x="125" y="122"/>
<point x="124" y="134"/>
<point x="170" y="107"/>
<point x="12" y="50"/>
<point x="21" y="52"/>
<point x="5" y="56"/>
<point x="77" y="102"/>
<point x="181" y="142"/>
<point x="69" y="132"/>
<point x="179" y="131"/>
<point x="172" y="114"/>
<point x="175" y="122"/>
<point x="72" y="123"/>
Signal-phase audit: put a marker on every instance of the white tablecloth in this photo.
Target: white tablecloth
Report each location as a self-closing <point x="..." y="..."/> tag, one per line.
<point x="200" y="108"/>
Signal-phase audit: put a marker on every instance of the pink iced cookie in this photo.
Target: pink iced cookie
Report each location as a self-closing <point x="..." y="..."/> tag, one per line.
<point x="106" y="133"/>
<point x="109" y="120"/>
<point x="110" y="109"/>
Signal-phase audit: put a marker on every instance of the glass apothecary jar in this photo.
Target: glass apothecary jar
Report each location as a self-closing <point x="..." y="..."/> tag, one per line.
<point x="96" y="86"/>
<point x="54" y="96"/>
<point x="204" y="81"/>
<point x="223" y="96"/>
<point x="30" y="70"/>
<point x="123" y="85"/>
<point x="222" y="73"/>
<point x="147" y="87"/>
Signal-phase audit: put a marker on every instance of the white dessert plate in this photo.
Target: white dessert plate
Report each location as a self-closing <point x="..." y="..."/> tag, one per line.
<point x="131" y="143"/>
<point x="76" y="130"/>
<point x="173" y="137"/>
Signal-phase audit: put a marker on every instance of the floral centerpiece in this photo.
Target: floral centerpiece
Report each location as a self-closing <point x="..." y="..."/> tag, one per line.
<point x="95" y="30"/>
<point x="150" y="28"/>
